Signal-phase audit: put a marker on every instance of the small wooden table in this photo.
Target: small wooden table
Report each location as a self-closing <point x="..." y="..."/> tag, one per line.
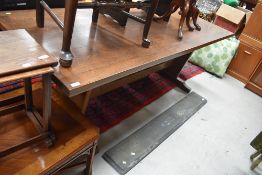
<point x="74" y="147"/>
<point x="108" y="56"/>
<point x="22" y="58"/>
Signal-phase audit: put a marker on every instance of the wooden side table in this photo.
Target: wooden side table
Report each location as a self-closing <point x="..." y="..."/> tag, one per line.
<point x="74" y="147"/>
<point x="23" y="58"/>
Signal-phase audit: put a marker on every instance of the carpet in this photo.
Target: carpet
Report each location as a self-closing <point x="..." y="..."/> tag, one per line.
<point x="109" y="109"/>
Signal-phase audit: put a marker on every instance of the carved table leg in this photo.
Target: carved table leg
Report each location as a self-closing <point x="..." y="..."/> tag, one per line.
<point x="173" y="72"/>
<point x="66" y="57"/>
<point x="149" y="18"/>
<point x="40" y="15"/>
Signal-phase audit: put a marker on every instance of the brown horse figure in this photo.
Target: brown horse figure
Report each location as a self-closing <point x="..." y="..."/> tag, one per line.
<point x="187" y="10"/>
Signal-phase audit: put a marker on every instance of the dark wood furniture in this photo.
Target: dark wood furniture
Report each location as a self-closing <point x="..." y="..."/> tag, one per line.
<point x="107" y="56"/>
<point x="256" y="158"/>
<point x="23" y="58"/>
<point x="247" y="65"/>
<point x="250" y="4"/>
<point x="67" y="27"/>
<point x="74" y="147"/>
<point x="188" y="11"/>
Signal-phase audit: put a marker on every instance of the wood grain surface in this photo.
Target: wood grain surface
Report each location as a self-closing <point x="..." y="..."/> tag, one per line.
<point x="107" y="52"/>
<point x="73" y="133"/>
<point x="19" y="52"/>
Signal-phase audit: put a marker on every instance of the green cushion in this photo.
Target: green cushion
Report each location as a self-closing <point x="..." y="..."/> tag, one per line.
<point x="232" y="3"/>
<point x="216" y="57"/>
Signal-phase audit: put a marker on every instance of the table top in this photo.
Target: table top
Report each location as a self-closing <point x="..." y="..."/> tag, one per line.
<point x="20" y="53"/>
<point x="73" y="133"/>
<point x="106" y="52"/>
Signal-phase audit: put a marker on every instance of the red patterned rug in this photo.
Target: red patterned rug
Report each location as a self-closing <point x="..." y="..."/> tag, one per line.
<point x="111" y="108"/>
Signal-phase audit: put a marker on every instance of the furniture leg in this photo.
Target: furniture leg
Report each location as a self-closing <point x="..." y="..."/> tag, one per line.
<point x="149" y="18"/>
<point x="66" y="57"/>
<point x="182" y="20"/>
<point x="256" y="162"/>
<point x="173" y="72"/>
<point x="40" y="15"/>
<point x="82" y="100"/>
<point x="95" y="14"/>
<point x="85" y="102"/>
<point x="90" y="160"/>
<point x="28" y="94"/>
<point x="47" y="108"/>
<point x="253" y="156"/>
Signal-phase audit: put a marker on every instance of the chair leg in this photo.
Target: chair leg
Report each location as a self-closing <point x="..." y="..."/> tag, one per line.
<point x="256" y="162"/>
<point x="66" y="57"/>
<point x="149" y="18"/>
<point x="40" y="14"/>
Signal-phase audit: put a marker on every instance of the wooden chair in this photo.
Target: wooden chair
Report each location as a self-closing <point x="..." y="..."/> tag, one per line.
<point x="66" y="56"/>
<point x="257" y="144"/>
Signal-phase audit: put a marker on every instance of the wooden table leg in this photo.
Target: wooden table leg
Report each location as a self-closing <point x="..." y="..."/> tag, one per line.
<point x="90" y="160"/>
<point x="28" y="94"/>
<point x="173" y="72"/>
<point x="40" y="15"/>
<point x="47" y="93"/>
<point x="149" y="18"/>
<point x="66" y="57"/>
<point x="95" y="14"/>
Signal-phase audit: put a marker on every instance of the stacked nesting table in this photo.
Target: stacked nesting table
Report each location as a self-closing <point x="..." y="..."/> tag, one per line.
<point x="23" y="58"/>
<point x="32" y="142"/>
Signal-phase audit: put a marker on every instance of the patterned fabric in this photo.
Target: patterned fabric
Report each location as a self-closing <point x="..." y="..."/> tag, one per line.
<point x="107" y="110"/>
<point x="208" y="9"/>
<point x="216" y="57"/>
<point x="9" y="86"/>
<point x="189" y="71"/>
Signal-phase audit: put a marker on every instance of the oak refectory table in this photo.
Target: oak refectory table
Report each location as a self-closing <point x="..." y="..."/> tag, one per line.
<point x="108" y="56"/>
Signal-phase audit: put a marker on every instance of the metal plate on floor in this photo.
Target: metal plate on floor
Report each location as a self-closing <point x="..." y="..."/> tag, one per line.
<point x="130" y="151"/>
